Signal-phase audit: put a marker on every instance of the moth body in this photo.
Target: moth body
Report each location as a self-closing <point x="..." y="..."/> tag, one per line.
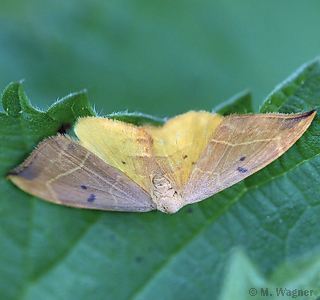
<point x="164" y="196"/>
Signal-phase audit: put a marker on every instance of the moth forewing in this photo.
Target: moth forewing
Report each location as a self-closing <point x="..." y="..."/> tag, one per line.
<point x="240" y="146"/>
<point x="62" y="171"/>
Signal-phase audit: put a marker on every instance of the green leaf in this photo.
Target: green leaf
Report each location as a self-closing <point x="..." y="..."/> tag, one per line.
<point x="298" y="279"/>
<point x="297" y="92"/>
<point x="55" y="252"/>
<point x="240" y="103"/>
<point x="136" y="118"/>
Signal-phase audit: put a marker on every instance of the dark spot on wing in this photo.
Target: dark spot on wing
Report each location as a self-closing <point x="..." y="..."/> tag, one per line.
<point x="242" y="158"/>
<point x="83" y="187"/>
<point x="27" y="172"/>
<point x="124" y="162"/>
<point x="184" y="156"/>
<point x="242" y="170"/>
<point x="291" y="122"/>
<point x="91" y="198"/>
<point x="71" y="147"/>
<point x="193" y="163"/>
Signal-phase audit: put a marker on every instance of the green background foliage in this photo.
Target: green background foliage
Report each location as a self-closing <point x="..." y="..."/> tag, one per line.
<point x="159" y="58"/>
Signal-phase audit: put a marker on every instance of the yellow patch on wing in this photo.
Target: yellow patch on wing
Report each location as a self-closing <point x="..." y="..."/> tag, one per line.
<point x="146" y="151"/>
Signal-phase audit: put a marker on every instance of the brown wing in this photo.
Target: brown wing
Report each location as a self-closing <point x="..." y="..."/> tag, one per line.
<point x="62" y="171"/>
<point x="240" y="146"/>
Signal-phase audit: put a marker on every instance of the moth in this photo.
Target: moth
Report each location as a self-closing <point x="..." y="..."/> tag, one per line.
<point x="122" y="167"/>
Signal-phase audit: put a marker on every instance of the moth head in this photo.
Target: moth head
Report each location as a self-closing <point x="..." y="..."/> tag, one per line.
<point x="169" y="205"/>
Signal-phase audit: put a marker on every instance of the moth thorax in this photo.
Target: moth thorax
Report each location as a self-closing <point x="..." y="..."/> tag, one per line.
<point x="165" y="196"/>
